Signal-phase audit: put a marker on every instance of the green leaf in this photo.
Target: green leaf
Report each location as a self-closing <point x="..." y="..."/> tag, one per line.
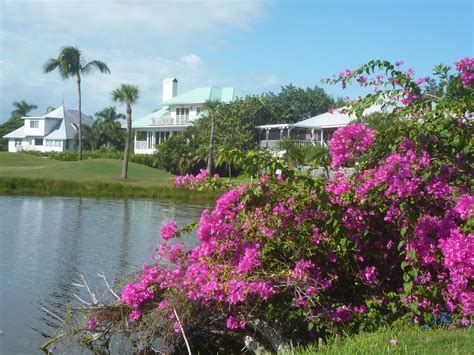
<point x="408" y="286"/>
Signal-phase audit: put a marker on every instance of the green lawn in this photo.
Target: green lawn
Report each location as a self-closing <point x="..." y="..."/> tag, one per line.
<point x="28" y="175"/>
<point x="406" y="341"/>
<point x="105" y="170"/>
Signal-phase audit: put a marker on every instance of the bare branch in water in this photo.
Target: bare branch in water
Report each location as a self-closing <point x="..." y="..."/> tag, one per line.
<point x="109" y="288"/>
<point x="54" y="315"/>
<point x="182" y="331"/>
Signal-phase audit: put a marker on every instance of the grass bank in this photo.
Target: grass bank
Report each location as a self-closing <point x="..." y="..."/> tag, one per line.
<point x="22" y="174"/>
<point x="412" y="340"/>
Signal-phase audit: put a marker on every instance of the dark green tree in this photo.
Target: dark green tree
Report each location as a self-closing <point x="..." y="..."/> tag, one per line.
<point x="293" y="104"/>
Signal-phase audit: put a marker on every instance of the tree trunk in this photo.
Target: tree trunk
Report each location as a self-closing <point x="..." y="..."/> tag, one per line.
<point x="80" y="114"/>
<point x="127" y="143"/>
<point x="211" y="145"/>
<point x="230" y="170"/>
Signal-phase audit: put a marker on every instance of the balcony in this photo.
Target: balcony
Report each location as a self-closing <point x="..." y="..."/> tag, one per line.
<point x="162" y="121"/>
<point x="168" y="120"/>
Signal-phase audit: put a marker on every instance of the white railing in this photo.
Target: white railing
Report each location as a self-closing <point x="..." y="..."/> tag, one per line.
<point x="182" y="119"/>
<point x="141" y="145"/>
<point x="275" y="144"/>
<point x="162" y="121"/>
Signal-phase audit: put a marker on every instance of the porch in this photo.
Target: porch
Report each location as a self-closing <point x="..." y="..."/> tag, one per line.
<point x="145" y="141"/>
<point x="271" y="136"/>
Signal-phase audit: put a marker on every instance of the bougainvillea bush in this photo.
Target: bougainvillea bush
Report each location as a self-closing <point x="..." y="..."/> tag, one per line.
<point x="201" y="181"/>
<point x="292" y="257"/>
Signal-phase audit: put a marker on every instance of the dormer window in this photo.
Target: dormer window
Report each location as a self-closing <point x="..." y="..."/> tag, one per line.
<point x="34" y="124"/>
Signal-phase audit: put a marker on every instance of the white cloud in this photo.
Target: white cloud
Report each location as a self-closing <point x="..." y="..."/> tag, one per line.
<point x="191" y="59"/>
<point x="142" y="42"/>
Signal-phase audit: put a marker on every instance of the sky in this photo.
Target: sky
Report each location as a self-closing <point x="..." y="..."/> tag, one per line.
<point x="256" y="46"/>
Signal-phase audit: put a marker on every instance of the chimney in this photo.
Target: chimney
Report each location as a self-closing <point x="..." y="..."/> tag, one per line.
<point x="170" y="88"/>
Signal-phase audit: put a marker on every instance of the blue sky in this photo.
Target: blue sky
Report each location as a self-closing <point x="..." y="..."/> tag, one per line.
<point x="253" y="45"/>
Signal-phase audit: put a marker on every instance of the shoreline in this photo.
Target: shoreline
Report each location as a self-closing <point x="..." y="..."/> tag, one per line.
<point x="20" y="186"/>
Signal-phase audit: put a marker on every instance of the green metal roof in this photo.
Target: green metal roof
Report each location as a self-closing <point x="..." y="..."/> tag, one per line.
<point x="145" y="120"/>
<point x="196" y="96"/>
<point x="208" y="93"/>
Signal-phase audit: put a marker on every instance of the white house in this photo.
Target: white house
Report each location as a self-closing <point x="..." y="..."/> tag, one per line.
<point x="312" y="131"/>
<point x="55" y="131"/>
<point x="177" y="113"/>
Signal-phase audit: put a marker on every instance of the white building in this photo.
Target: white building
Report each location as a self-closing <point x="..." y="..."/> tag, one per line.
<point x="177" y="113"/>
<point x="312" y="131"/>
<point x="53" y="132"/>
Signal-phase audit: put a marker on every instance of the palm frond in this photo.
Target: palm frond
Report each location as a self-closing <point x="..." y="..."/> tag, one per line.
<point x="69" y="62"/>
<point x="126" y="94"/>
<point x="50" y="65"/>
<point x="22" y="108"/>
<point x="95" y="64"/>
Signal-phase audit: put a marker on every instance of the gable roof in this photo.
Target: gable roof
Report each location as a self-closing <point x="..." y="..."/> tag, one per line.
<point x="207" y="93"/>
<point x="65" y="127"/>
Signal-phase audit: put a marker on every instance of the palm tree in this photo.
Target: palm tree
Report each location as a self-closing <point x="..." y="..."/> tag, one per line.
<point x="211" y="107"/>
<point x="22" y="108"/>
<point x="126" y="94"/>
<point x="112" y="132"/>
<point x="70" y="63"/>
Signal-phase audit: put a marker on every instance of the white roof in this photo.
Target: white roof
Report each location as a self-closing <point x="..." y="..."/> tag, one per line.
<point x="328" y="119"/>
<point x="17" y="133"/>
<point x="65" y="127"/>
<point x="337" y="118"/>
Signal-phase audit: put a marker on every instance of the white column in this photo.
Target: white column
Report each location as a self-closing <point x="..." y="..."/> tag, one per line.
<point x="322" y="136"/>
<point x="281" y="132"/>
<point x="312" y="134"/>
<point x="135" y="140"/>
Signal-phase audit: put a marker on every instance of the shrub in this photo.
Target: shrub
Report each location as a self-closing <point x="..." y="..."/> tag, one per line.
<point x="294" y="257"/>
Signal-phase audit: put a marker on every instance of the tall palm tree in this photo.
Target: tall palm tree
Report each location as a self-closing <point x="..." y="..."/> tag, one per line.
<point x="211" y="107"/>
<point x="22" y="108"/>
<point x="126" y="94"/>
<point x="70" y="63"/>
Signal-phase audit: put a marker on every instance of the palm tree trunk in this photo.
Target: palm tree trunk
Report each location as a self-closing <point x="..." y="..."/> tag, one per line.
<point x="80" y="114"/>
<point x="127" y="143"/>
<point x="211" y="145"/>
<point x="230" y="171"/>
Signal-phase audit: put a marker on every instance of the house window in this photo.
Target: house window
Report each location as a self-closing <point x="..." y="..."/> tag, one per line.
<point x="53" y="143"/>
<point x="198" y="110"/>
<point x="182" y="115"/>
<point x="17" y="142"/>
<point x="141" y="135"/>
<point x="34" y="124"/>
<point x="38" y="141"/>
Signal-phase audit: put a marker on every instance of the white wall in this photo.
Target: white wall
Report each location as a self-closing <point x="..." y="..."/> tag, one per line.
<point x="34" y="131"/>
<point x="192" y="110"/>
<point x="27" y="145"/>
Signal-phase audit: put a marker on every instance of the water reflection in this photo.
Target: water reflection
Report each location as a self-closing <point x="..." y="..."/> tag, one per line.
<point x="47" y="243"/>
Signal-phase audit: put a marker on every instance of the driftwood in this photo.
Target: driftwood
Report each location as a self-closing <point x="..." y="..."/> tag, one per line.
<point x="271" y="339"/>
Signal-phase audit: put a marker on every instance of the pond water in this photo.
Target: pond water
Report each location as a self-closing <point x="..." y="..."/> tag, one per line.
<point x="47" y="243"/>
